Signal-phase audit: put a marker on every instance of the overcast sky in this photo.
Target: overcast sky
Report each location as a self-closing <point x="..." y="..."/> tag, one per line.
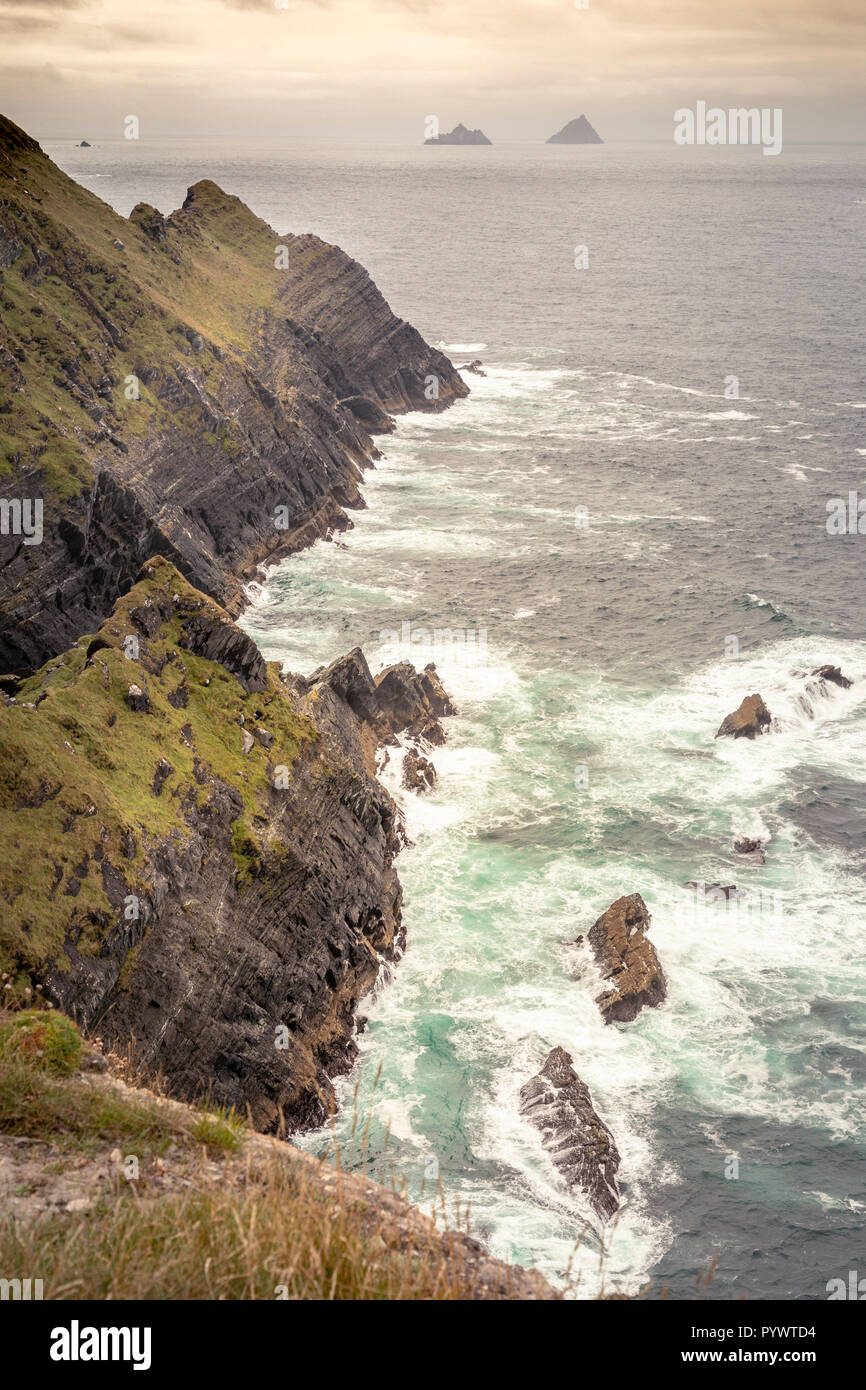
<point x="374" y="69"/>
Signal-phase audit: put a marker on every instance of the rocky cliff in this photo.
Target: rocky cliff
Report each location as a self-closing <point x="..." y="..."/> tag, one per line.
<point x="195" y="386"/>
<point x="197" y="860"/>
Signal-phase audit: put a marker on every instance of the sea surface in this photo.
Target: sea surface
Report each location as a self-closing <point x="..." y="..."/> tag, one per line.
<point x="629" y="541"/>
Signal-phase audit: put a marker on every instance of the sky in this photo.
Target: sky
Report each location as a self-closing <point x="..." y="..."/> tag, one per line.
<point x="374" y="70"/>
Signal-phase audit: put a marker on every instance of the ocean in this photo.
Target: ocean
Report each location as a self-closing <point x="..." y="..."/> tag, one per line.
<point x="621" y="533"/>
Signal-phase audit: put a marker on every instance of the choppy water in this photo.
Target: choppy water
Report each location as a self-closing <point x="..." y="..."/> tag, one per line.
<point x="582" y="764"/>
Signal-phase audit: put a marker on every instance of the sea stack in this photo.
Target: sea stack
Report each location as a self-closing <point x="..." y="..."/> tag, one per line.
<point x="577" y="132"/>
<point x="627" y="960"/>
<point x="578" y="1141"/>
<point x="460" y="136"/>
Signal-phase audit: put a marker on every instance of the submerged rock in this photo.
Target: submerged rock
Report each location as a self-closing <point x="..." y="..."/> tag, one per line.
<point x="580" y="1144"/>
<point x="476" y="367"/>
<point x="627" y="960"/>
<point x="752" y="718"/>
<point x="755" y="848"/>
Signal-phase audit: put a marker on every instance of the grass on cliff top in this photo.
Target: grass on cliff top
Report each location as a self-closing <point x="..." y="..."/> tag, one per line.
<point x="89" y="308"/>
<point x="77" y="799"/>
<point x="236" y="1229"/>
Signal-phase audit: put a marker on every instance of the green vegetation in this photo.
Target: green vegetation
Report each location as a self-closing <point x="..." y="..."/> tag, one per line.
<point x="90" y="300"/>
<point x="206" y="1212"/>
<point x="46" y="1041"/>
<point x="78" y="805"/>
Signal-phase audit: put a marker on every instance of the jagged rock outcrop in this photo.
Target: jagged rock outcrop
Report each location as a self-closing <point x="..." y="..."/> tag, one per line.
<point x="753" y="848"/>
<point x="627" y="960"/>
<point x="834" y="675"/>
<point x="752" y="718"/>
<point x="198" y="862"/>
<point x="194" y="386"/>
<point x="580" y="1144"/>
<point x="576" y="132"/>
<point x="419" y="774"/>
<point x="460" y="135"/>
<point x="399" y="700"/>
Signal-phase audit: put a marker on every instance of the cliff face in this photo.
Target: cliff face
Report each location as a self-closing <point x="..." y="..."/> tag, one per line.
<point x="194" y="386"/>
<point x="197" y="859"/>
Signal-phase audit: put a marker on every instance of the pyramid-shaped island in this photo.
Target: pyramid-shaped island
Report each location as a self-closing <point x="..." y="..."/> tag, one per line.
<point x="460" y="136"/>
<point x="577" y="132"/>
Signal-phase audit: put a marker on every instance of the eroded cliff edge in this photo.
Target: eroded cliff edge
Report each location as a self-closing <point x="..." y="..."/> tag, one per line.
<point x="197" y="860"/>
<point x="195" y="386"/>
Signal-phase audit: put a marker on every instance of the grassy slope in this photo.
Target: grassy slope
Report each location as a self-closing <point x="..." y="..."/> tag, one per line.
<point x="216" y="282"/>
<point x="78" y="771"/>
<point x="209" y="1211"/>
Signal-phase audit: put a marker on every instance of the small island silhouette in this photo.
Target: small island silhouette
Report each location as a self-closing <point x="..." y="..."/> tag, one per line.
<point x="577" y="132"/>
<point x="460" y="136"/>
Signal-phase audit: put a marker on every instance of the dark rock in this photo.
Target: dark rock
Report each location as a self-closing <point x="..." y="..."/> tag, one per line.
<point x="211" y="635"/>
<point x="264" y="738"/>
<point x="627" y="960"/>
<point x="163" y="771"/>
<point x="371" y="415"/>
<point x="833" y="674"/>
<point x="137" y="699"/>
<point x="151" y="222"/>
<point x="753" y="847"/>
<point x="580" y="1144"/>
<point x="475" y="367"/>
<point x="752" y="718"/>
<point x="419" y="775"/>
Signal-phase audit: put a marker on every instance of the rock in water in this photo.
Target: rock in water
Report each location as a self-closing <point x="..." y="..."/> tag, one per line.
<point x="627" y="959"/>
<point x="460" y="136"/>
<point x="753" y="847"/>
<point x="832" y="673"/>
<point x="577" y="132"/>
<point x="751" y="719"/>
<point x="582" y="1147"/>
<point x="419" y="774"/>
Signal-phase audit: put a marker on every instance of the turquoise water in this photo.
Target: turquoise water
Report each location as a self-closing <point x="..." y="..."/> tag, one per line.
<point x="571" y="776"/>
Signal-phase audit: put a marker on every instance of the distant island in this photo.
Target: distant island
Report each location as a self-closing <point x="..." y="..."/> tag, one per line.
<point x="577" y="132"/>
<point x="461" y="136"/>
<point x="84" y="145"/>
